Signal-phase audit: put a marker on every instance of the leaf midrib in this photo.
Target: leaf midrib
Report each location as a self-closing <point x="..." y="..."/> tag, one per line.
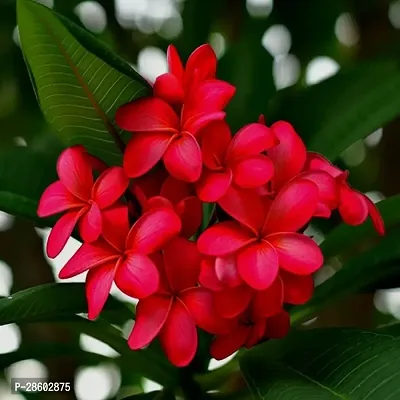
<point x="108" y="124"/>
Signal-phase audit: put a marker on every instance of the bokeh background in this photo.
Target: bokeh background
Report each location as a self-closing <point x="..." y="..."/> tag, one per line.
<point x="269" y="50"/>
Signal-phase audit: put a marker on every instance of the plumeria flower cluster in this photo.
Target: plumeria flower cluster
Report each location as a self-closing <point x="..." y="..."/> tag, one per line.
<point x="232" y="278"/>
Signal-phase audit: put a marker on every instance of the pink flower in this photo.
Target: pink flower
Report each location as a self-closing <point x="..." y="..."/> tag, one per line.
<point x="178" y="306"/>
<point x="250" y="330"/>
<point x="289" y="159"/>
<point x="122" y="255"/>
<point x="236" y="160"/>
<point x="264" y="237"/>
<point x="83" y="199"/>
<point x="354" y="207"/>
<point x="175" y="194"/>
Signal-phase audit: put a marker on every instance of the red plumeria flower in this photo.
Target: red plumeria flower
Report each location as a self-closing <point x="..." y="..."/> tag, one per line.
<point x="354" y="207"/>
<point x="236" y="160"/>
<point x="159" y="133"/>
<point x="289" y="159"/>
<point x="122" y="255"/>
<point x="83" y="199"/>
<point x="172" y="193"/>
<point x="264" y="235"/>
<point x="232" y="295"/>
<point x="175" y="84"/>
<point x="250" y="330"/>
<point x="178" y="306"/>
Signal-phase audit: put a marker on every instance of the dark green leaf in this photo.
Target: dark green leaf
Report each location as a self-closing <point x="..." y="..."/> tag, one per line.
<point x="156" y="395"/>
<point x="382" y="261"/>
<point x="80" y="83"/>
<point x="325" y="364"/>
<point x="345" y="237"/>
<point x="335" y="113"/>
<point x="24" y="174"/>
<point x="55" y="302"/>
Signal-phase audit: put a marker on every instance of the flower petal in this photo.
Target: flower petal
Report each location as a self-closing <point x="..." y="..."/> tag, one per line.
<point x="89" y="256"/>
<point x="269" y="302"/>
<point x="224" y="238"/>
<point x="61" y="232"/>
<point x="57" y="198"/>
<point x="207" y="97"/>
<point x="179" y="336"/>
<point x="353" y="207"/>
<point x="231" y="302"/>
<point x="212" y="186"/>
<point x="208" y="277"/>
<point x="75" y="172"/>
<point x="195" y="122"/>
<point x="175" y="190"/>
<point x="293" y="207"/>
<point x="90" y="225"/>
<point x="225" y="345"/>
<point x="251" y="140"/>
<point x="200" y="303"/>
<point x="151" y="314"/>
<point x="328" y="189"/>
<point x="175" y="66"/>
<point x="98" y="286"/>
<point x="157" y="202"/>
<point x="278" y="326"/>
<point x="214" y="143"/>
<point x="245" y="206"/>
<point x="297" y="253"/>
<point x="144" y="151"/>
<point x="317" y="162"/>
<point x="115" y="224"/>
<point x="257" y="333"/>
<point x="153" y="230"/>
<point x="109" y="187"/>
<point x="191" y="215"/>
<point x="182" y="263"/>
<point x="182" y="158"/>
<point x="148" y="114"/>
<point x="376" y="217"/>
<point x="289" y="156"/>
<point x="226" y="271"/>
<point x="137" y="277"/>
<point x="204" y="61"/>
<point x="258" y="265"/>
<point x="168" y="88"/>
<point x="297" y="289"/>
<point x="253" y="172"/>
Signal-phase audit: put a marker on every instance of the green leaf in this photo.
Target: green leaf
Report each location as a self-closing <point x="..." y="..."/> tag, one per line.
<point x="335" y="113"/>
<point x="325" y="364"/>
<point x="346" y="237"/>
<point x="149" y="362"/>
<point x="80" y="83"/>
<point x="24" y="174"/>
<point x="156" y="395"/>
<point x="380" y="262"/>
<point x="55" y="302"/>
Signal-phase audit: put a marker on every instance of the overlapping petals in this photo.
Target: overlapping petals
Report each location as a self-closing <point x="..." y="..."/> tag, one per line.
<point x="122" y="256"/>
<point x="177" y="307"/>
<point x="236" y="161"/>
<point x="82" y="199"/>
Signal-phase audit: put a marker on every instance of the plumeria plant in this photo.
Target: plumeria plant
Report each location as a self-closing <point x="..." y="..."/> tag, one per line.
<point x="207" y="229"/>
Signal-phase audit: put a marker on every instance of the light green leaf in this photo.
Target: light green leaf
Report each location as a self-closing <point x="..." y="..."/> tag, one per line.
<point x="79" y="82"/>
<point x="325" y="364"/>
<point x="361" y="272"/>
<point x="55" y="302"/>
<point x="333" y="114"/>
<point x="24" y="174"/>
